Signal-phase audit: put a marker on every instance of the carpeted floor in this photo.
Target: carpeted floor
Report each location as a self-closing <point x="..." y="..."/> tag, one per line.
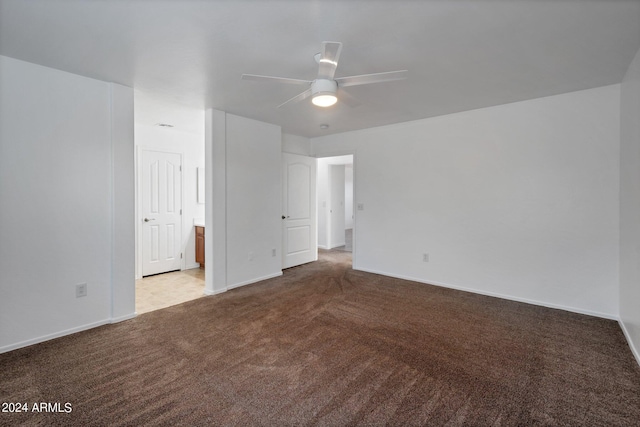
<point x="326" y="345"/>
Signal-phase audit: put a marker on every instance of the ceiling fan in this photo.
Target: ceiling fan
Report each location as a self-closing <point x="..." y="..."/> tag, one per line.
<point x="325" y="89"/>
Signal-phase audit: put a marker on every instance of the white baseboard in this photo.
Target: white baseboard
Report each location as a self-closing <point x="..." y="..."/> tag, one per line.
<point x="123" y="318"/>
<point x="258" y="279"/>
<point x="44" y="338"/>
<point x="192" y="266"/>
<point x="634" y="350"/>
<point x="215" y="292"/>
<point x="323" y="247"/>
<point x="496" y="295"/>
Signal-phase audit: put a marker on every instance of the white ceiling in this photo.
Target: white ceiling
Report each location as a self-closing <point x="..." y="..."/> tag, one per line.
<point x="461" y="55"/>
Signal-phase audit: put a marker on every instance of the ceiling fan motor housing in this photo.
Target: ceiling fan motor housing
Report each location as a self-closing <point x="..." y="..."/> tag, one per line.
<point x="324" y="87"/>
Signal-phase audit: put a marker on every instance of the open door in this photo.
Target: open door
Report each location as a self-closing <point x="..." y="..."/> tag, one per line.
<point x="162" y="212"/>
<point x="299" y="235"/>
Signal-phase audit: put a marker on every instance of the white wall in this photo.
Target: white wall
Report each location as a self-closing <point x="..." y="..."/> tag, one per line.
<point x="248" y="153"/>
<point x="254" y="201"/>
<point x="518" y="200"/>
<point x="123" y="203"/>
<point x="630" y="206"/>
<point x="295" y="144"/>
<point x="215" y="242"/>
<point x="66" y="142"/>
<point x="190" y="143"/>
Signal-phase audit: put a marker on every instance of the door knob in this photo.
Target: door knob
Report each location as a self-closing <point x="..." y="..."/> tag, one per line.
<point x="283" y="217"/>
<point x="149" y="219"/>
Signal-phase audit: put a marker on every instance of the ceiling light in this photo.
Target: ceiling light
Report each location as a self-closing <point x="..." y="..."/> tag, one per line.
<point x="324" y="92"/>
<point x="324" y="99"/>
<point x="324" y="126"/>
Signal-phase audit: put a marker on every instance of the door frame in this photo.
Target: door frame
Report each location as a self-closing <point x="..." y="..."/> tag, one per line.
<point x="354" y="155"/>
<point x="334" y="211"/>
<point x="139" y="208"/>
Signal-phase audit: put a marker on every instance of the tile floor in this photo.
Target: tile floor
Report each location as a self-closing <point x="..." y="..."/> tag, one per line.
<point x="165" y="290"/>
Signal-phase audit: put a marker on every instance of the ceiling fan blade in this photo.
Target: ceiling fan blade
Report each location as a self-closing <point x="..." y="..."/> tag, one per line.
<point x="329" y="59"/>
<point x="348" y="99"/>
<point x="366" y="79"/>
<point x="297" y="98"/>
<point x="271" y="79"/>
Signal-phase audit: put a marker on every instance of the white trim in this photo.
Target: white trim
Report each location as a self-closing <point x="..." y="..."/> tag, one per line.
<point x="112" y="203"/>
<point x="44" y="338"/>
<point x="138" y="202"/>
<point x="258" y="279"/>
<point x="240" y="284"/>
<point x="339" y="153"/>
<point x="123" y="318"/>
<point x="634" y="350"/>
<point x="496" y="295"/>
<point x="214" y="292"/>
<point x="136" y="208"/>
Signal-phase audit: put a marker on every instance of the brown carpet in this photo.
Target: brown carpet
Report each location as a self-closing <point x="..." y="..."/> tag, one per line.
<point x="326" y="345"/>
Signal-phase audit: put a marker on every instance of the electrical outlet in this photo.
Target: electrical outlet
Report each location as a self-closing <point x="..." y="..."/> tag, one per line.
<point x="360" y="206"/>
<point x="425" y="257"/>
<point x="273" y="252"/>
<point x="81" y="290"/>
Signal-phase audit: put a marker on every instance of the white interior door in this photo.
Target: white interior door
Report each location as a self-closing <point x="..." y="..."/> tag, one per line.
<point x="161" y="211"/>
<point x="299" y="240"/>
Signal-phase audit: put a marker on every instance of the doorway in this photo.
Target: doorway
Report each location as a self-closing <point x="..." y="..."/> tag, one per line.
<point x="164" y="277"/>
<point x="161" y="209"/>
<point x="164" y="290"/>
<point x="170" y="159"/>
<point x="336" y="219"/>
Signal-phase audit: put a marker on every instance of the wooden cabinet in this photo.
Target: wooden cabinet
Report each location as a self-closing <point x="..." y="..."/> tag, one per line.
<point x="200" y="245"/>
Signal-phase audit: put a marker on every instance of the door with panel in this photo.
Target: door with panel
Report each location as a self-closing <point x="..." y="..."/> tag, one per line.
<point x="161" y="189"/>
<point x="299" y="235"/>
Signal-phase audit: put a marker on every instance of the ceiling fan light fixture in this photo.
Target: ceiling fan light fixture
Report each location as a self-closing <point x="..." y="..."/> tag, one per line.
<point x="324" y="92"/>
<point x="324" y="99"/>
<point x="324" y="89"/>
